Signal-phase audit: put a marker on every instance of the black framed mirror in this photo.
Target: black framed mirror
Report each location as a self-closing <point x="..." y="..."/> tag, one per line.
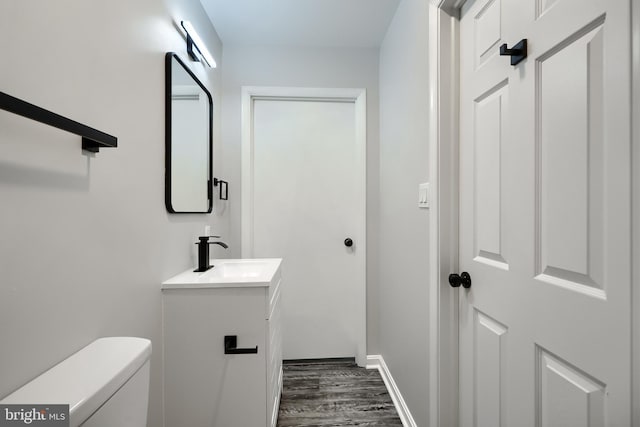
<point x="188" y="140"/>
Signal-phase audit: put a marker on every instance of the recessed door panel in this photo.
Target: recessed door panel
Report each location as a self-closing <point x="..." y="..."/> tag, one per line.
<point x="566" y="395"/>
<point x="570" y="162"/>
<point x="543" y="6"/>
<point x="490" y="337"/>
<point x="487" y="30"/>
<point x="490" y="120"/>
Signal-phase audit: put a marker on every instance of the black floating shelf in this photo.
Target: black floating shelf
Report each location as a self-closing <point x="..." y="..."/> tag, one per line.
<point x="92" y="139"/>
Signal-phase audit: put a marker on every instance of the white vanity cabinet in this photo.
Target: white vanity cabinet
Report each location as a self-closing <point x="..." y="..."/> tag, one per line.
<point x="203" y="386"/>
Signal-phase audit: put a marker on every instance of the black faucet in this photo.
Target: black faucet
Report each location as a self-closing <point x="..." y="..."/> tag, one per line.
<point x="203" y="252"/>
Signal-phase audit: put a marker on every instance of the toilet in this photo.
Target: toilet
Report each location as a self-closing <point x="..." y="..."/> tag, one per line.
<point x="106" y="384"/>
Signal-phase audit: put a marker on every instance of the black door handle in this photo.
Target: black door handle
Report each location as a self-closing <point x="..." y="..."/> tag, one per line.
<point x="231" y="344"/>
<point x="348" y="242"/>
<point x="463" y="279"/>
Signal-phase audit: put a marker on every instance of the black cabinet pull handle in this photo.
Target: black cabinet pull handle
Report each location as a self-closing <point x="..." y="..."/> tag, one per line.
<point x="348" y="242"/>
<point x="231" y="344"/>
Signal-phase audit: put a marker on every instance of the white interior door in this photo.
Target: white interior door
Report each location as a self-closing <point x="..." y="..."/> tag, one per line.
<point x="306" y="202"/>
<point x="545" y="214"/>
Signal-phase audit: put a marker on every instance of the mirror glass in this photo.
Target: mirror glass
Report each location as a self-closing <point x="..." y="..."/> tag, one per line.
<point x="189" y="122"/>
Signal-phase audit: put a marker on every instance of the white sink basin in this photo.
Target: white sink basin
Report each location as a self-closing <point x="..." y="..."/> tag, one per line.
<point x="245" y="268"/>
<point x="228" y="273"/>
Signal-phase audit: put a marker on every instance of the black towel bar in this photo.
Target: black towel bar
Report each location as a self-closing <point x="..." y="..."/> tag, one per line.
<point x="224" y="188"/>
<point x="92" y="139"/>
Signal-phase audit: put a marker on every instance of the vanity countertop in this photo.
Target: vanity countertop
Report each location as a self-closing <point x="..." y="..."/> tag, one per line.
<point x="229" y="273"/>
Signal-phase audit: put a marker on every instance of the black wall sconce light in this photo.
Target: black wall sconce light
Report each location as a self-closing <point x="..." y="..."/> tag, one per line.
<point x="195" y="44"/>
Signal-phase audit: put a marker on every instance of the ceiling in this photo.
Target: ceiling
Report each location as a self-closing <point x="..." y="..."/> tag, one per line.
<point x="312" y="23"/>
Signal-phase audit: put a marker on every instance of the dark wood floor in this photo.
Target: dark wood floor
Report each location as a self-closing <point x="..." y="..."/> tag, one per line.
<point x="334" y="392"/>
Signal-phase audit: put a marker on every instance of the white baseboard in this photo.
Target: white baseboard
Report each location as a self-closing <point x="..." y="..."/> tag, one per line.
<point x="376" y="361"/>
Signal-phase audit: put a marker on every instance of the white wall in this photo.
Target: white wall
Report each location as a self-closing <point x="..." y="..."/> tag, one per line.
<point x="304" y="67"/>
<point x="86" y="241"/>
<point x="404" y="237"/>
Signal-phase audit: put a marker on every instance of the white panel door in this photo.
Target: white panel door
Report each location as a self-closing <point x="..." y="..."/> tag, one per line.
<point x="545" y="214"/>
<point x="305" y="195"/>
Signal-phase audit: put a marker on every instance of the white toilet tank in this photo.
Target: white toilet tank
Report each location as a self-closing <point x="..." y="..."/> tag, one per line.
<point x="106" y="384"/>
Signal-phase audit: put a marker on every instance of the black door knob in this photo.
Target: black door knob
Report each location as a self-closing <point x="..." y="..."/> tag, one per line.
<point x="348" y="242"/>
<point x="455" y="280"/>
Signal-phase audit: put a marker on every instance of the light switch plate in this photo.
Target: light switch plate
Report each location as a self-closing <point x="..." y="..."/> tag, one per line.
<point x="423" y="195"/>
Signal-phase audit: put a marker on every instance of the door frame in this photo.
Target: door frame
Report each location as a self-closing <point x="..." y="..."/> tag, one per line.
<point x="635" y="212"/>
<point x="357" y="96"/>
<point x="444" y="83"/>
<point x="444" y="87"/>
